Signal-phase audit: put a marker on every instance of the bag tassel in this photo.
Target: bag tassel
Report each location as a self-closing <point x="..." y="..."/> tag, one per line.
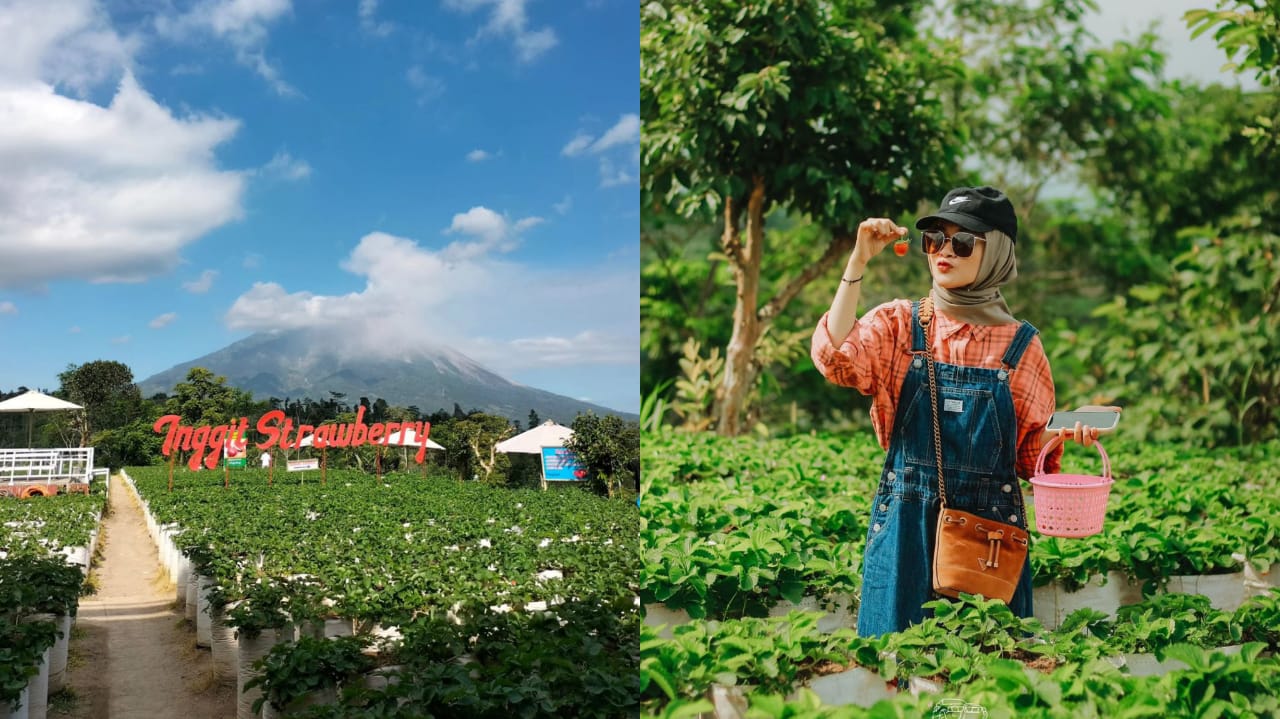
<point x="993" y="555"/>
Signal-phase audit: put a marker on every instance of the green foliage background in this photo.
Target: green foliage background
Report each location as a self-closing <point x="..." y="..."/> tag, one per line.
<point x="1148" y="207"/>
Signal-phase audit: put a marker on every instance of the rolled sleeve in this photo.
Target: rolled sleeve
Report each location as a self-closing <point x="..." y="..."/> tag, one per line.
<point x="846" y="364"/>
<point x="862" y="359"/>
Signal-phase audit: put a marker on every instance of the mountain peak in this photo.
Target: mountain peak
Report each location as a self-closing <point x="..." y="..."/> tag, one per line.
<point x="312" y="363"/>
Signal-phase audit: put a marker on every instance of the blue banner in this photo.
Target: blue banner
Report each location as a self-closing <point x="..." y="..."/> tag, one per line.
<point x="560" y="465"/>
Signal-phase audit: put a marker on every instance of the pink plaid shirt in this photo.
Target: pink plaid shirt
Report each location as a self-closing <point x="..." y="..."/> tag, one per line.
<point x="874" y="359"/>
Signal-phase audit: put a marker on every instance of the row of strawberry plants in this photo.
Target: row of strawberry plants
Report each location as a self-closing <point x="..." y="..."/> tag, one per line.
<point x="1175" y="511"/>
<point x="963" y="643"/>
<point x="729" y="530"/>
<point x="1172" y="512"/>
<point x="1239" y="686"/>
<point x="65" y="520"/>
<point x="566" y="662"/>
<point x="39" y="590"/>
<point x="410" y="550"/>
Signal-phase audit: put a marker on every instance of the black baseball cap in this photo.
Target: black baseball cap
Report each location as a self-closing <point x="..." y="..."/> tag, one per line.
<point x="976" y="209"/>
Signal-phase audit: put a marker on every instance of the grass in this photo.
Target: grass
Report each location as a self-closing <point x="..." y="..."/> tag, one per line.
<point x="207" y="681"/>
<point x="63" y="702"/>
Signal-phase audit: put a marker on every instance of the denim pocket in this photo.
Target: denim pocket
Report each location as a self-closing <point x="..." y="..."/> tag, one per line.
<point x="880" y="557"/>
<point x="972" y="440"/>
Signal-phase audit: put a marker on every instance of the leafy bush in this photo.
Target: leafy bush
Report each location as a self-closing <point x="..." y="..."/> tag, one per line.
<point x="293" y="670"/>
<point x="21" y="646"/>
<point x="1196" y="356"/>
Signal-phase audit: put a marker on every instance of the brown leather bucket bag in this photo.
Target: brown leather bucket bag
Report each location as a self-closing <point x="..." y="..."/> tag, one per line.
<point x="971" y="554"/>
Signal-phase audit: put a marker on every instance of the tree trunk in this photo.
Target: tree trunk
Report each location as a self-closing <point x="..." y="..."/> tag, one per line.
<point x="486" y="467"/>
<point x="740" y="368"/>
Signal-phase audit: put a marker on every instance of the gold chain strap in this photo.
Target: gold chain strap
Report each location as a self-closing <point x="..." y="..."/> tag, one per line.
<point x="926" y="319"/>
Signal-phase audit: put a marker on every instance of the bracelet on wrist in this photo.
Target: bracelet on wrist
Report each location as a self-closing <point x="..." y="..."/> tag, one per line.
<point x="852" y="282"/>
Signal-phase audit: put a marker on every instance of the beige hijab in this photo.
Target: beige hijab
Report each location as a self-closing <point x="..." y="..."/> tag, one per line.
<point x="981" y="303"/>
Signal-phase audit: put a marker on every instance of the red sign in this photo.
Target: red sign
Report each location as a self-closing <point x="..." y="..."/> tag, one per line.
<point x="278" y="429"/>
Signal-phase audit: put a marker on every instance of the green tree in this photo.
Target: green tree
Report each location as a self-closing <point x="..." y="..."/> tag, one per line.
<point x="470" y="446"/>
<point x="106" y="390"/>
<point x="1249" y="29"/>
<point x="534" y="420"/>
<point x="608" y="448"/>
<point x="205" y="398"/>
<point x="824" y="109"/>
<point x="1195" y="356"/>
<point x="131" y="445"/>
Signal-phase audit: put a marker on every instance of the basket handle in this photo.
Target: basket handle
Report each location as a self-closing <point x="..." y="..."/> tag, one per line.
<point x="1056" y="440"/>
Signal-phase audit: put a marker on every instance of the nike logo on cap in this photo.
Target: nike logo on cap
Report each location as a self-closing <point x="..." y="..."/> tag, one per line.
<point x="962" y="198"/>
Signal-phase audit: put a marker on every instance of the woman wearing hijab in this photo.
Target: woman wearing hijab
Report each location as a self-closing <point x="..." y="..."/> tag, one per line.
<point x="995" y="398"/>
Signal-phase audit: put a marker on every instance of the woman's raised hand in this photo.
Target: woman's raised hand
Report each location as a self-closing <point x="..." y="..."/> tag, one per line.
<point x="875" y="234"/>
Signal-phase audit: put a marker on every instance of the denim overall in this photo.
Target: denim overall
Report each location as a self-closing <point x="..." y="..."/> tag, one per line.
<point x="979" y="454"/>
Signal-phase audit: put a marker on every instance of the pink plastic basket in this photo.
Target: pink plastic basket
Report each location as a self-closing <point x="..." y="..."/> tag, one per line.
<point x="1070" y="505"/>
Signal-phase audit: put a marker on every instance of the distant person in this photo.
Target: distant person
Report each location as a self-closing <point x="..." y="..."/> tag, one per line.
<point x="996" y="395"/>
<point x="266" y="460"/>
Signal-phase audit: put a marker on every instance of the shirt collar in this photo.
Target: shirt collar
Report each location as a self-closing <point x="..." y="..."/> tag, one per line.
<point x="948" y="327"/>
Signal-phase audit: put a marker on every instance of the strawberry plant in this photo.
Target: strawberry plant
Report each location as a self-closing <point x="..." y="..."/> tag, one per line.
<point x="1168" y="619"/>
<point x="293" y="670"/>
<point x="21" y="647"/>
<point x="771" y="655"/>
<point x="1259" y="620"/>
<point x="481" y="566"/>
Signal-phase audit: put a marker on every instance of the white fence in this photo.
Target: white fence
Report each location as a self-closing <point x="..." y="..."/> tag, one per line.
<point x="50" y="466"/>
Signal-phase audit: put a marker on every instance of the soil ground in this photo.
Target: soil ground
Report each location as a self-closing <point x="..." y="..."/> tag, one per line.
<point x="133" y="654"/>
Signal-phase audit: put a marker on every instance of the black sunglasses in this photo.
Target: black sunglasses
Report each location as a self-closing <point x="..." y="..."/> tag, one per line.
<point x="931" y="241"/>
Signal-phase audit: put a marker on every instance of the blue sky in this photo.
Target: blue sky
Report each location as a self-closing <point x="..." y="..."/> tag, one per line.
<point x="181" y="174"/>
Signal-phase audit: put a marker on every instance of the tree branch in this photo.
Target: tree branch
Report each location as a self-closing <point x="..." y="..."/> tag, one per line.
<point x="839" y="246"/>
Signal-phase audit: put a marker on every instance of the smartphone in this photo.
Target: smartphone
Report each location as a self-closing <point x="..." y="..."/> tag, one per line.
<point x="1104" y="420"/>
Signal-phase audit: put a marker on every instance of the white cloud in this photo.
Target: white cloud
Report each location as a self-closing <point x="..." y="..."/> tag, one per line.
<point x="577" y="145"/>
<point x="618" y="149"/>
<point x="252" y="261"/>
<point x="490" y="230"/>
<point x="240" y="23"/>
<point x="163" y="320"/>
<point x="507" y="18"/>
<point x="528" y="222"/>
<point x="8" y="308"/>
<point x="122" y="340"/>
<point x="507" y="316"/>
<point x="105" y="193"/>
<point x="428" y="87"/>
<point x="478" y="156"/>
<point x="611" y="175"/>
<point x="201" y="284"/>
<point x="75" y="329"/>
<point x="285" y="166"/>
<point x="67" y="43"/>
<point x="562" y="207"/>
<point x="625" y="132"/>
<point x="565" y="350"/>
<point x="369" y="22"/>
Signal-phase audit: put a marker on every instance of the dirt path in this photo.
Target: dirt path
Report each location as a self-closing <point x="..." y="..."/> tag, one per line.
<point x="133" y="656"/>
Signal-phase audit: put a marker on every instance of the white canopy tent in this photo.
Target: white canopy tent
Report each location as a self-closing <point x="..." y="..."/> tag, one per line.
<point x="32" y="402"/>
<point x="409" y="438"/>
<point x="547" y="434"/>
